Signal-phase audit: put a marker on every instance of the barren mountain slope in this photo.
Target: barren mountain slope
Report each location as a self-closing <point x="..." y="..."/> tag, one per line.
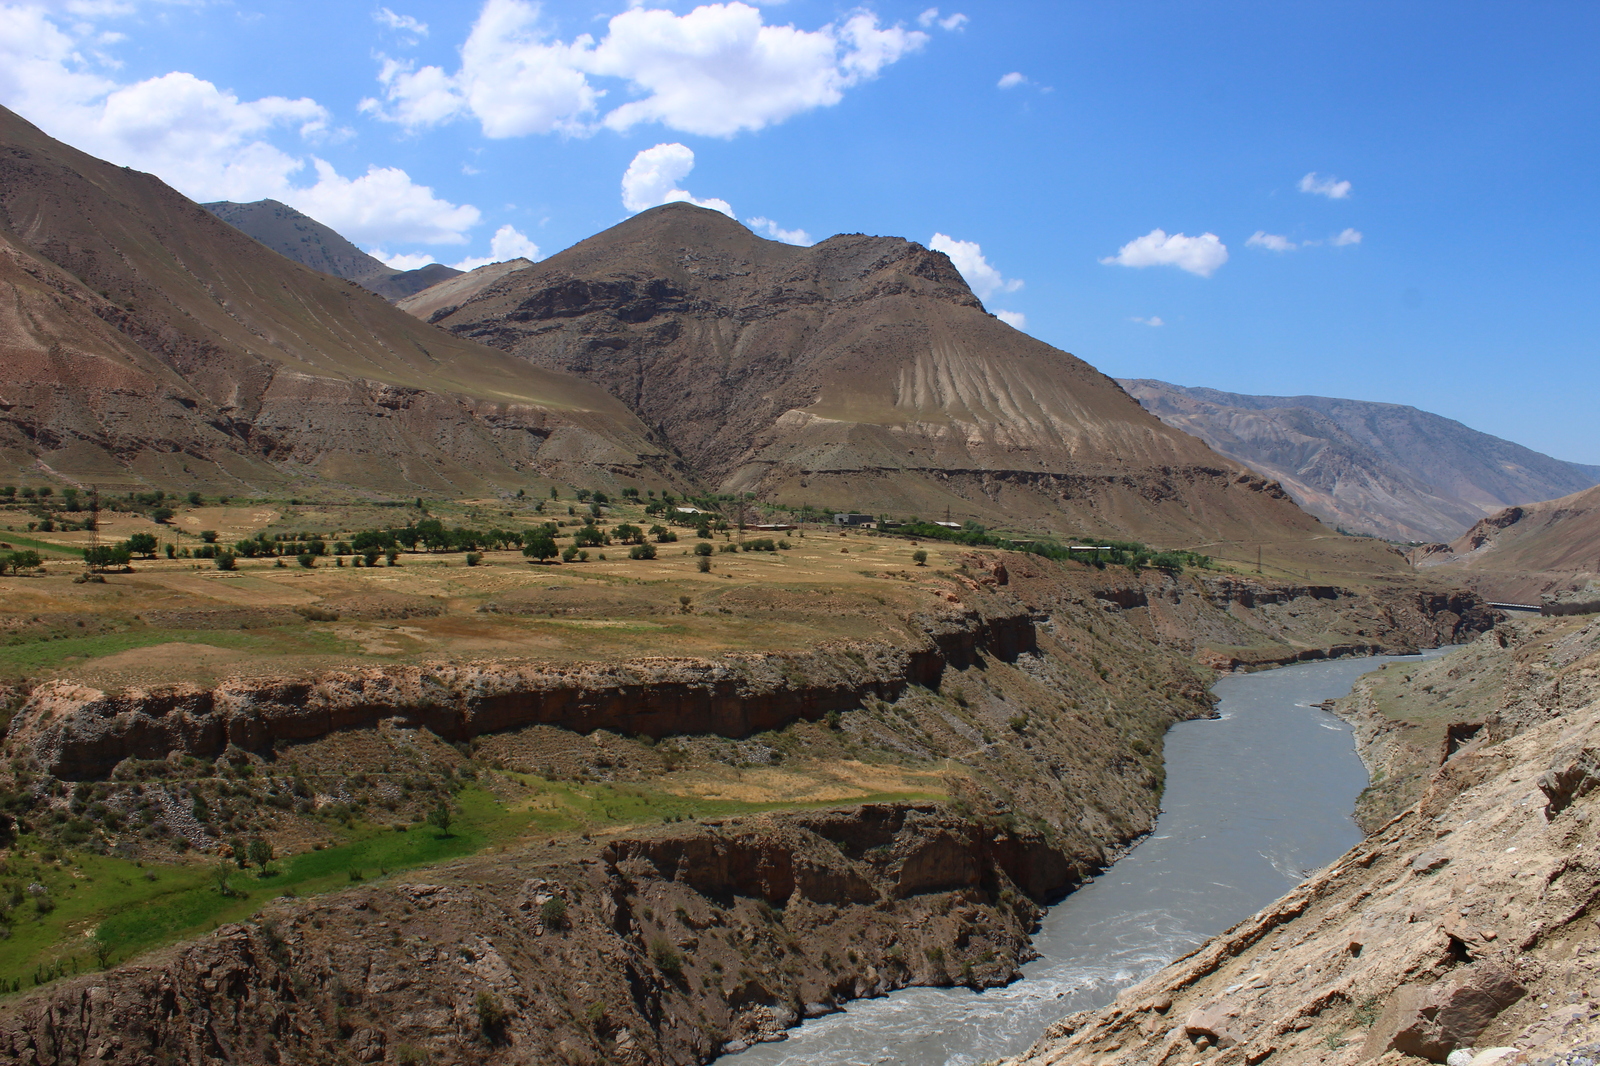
<point x="861" y="372"/>
<point x="1379" y="468"/>
<point x="305" y="240"/>
<point x="147" y="342"/>
<point x="1520" y="553"/>
<point x="453" y="291"/>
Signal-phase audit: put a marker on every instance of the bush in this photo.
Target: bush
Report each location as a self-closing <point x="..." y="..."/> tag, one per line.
<point x="666" y="957"/>
<point x="306" y="560"/>
<point x="474" y="558"/>
<point x="492" y="1016"/>
<point x="209" y="536"/>
<point x="703" y="549"/>
<point x="642" y="551"/>
<point x="440" y="818"/>
<point x="729" y="547"/>
<point x="703" y="565"/>
<point x="919" y="557"/>
<point x="225" y="561"/>
<point x="554" y="912"/>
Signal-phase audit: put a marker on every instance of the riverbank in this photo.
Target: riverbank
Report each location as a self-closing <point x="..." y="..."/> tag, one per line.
<point x="1465" y="921"/>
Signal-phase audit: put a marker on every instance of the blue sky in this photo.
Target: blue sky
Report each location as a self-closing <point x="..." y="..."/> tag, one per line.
<point x="1455" y="270"/>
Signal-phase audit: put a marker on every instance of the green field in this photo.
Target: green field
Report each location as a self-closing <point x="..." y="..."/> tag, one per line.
<point x="130" y="907"/>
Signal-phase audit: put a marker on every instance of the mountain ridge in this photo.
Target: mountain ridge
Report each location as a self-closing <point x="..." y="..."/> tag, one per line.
<point x="1389" y="470"/>
<point x="300" y="237"/>
<point x="150" y="343"/>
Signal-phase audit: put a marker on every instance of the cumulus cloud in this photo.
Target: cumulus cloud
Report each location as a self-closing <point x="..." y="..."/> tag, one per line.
<point x="1200" y="255"/>
<point x="1153" y="320"/>
<point x="653" y="176"/>
<point x="204" y="141"/>
<point x="778" y="233"/>
<point x="718" y="70"/>
<point x="507" y="243"/>
<point x="1012" y="80"/>
<point x="931" y="17"/>
<point x="1014" y="319"/>
<point x="1348" y="236"/>
<point x="1272" y="242"/>
<point x="969" y="259"/>
<point x="1330" y="187"/>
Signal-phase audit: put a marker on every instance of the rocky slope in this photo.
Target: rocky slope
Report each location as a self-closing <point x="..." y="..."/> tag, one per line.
<point x="861" y="372"/>
<point x="457" y="290"/>
<point x="1465" y="922"/>
<point x="1521" y="553"/>
<point x="305" y="240"/>
<point x="1384" y="469"/>
<point x="147" y="342"/>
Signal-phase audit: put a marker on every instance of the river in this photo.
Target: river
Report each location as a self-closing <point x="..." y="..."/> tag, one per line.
<point x="1255" y="800"/>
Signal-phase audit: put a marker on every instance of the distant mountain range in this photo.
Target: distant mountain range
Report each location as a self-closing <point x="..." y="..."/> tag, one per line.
<point x="1378" y="468"/>
<point x="305" y="240"/>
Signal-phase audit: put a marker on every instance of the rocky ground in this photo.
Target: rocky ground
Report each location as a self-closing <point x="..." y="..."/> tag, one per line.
<point x="1464" y="924"/>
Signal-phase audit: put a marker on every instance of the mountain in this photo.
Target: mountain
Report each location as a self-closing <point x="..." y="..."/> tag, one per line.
<point x="454" y="291"/>
<point x="1518" y="554"/>
<point x="1379" y="468"/>
<point x="148" y="343"/>
<point x="860" y="372"/>
<point x="305" y="240"/>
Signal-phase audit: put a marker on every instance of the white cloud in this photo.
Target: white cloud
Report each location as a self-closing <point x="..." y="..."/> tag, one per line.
<point x="653" y="177"/>
<point x="384" y="204"/>
<point x="1332" y="188"/>
<point x="1272" y="242"/>
<point x="407" y="261"/>
<point x="1153" y="320"/>
<point x="204" y="141"/>
<point x="1348" y="236"/>
<point x="402" y="24"/>
<point x="507" y="243"/>
<point x="1012" y="80"/>
<point x="968" y="258"/>
<point x="1014" y="319"/>
<point x="717" y="71"/>
<point x="931" y="17"/>
<point x="778" y="233"/>
<point x="1200" y="255"/>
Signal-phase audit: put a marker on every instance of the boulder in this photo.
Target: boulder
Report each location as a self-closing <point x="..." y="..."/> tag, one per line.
<point x="1218" y="1021"/>
<point x="1431" y="1021"/>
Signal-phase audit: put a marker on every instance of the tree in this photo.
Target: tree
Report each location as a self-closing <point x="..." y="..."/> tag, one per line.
<point x="554" y="495"/>
<point x="440" y="818"/>
<point x="226" y="561"/>
<point x="144" y="544"/>
<point x="307" y="560"/>
<point x="195" y="499"/>
<point x="703" y="548"/>
<point x="209" y="536"/>
<point x="703" y="564"/>
<point x="919" y="557"/>
<point x="589" y="537"/>
<point x="541" y="546"/>
<point x="18" y="561"/>
<point x="106" y="556"/>
<point x="628" y="534"/>
<point x="259" y="852"/>
<point x="642" y="551"/>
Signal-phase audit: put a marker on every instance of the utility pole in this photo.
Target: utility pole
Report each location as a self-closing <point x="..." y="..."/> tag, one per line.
<point x="1258" y="558"/>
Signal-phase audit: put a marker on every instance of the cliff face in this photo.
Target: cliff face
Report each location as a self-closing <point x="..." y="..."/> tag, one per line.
<point x="1519" y="554"/>
<point x="1464" y="922"/>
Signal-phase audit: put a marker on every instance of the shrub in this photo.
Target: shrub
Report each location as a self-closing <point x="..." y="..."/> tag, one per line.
<point x="554" y="912"/>
<point x="703" y="549"/>
<point x="474" y="558"/>
<point x="642" y="551"/>
<point x="919" y="557"/>
<point x="314" y="613"/>
<point x="703" y="565"/>
<point x="226" y="561"/>
<point x="729" y="547"/>
<point x="209" y="536"/>
<point x="666" y="957"/>
<point x="440" y="818"/>
<point x="307" y="560"/>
